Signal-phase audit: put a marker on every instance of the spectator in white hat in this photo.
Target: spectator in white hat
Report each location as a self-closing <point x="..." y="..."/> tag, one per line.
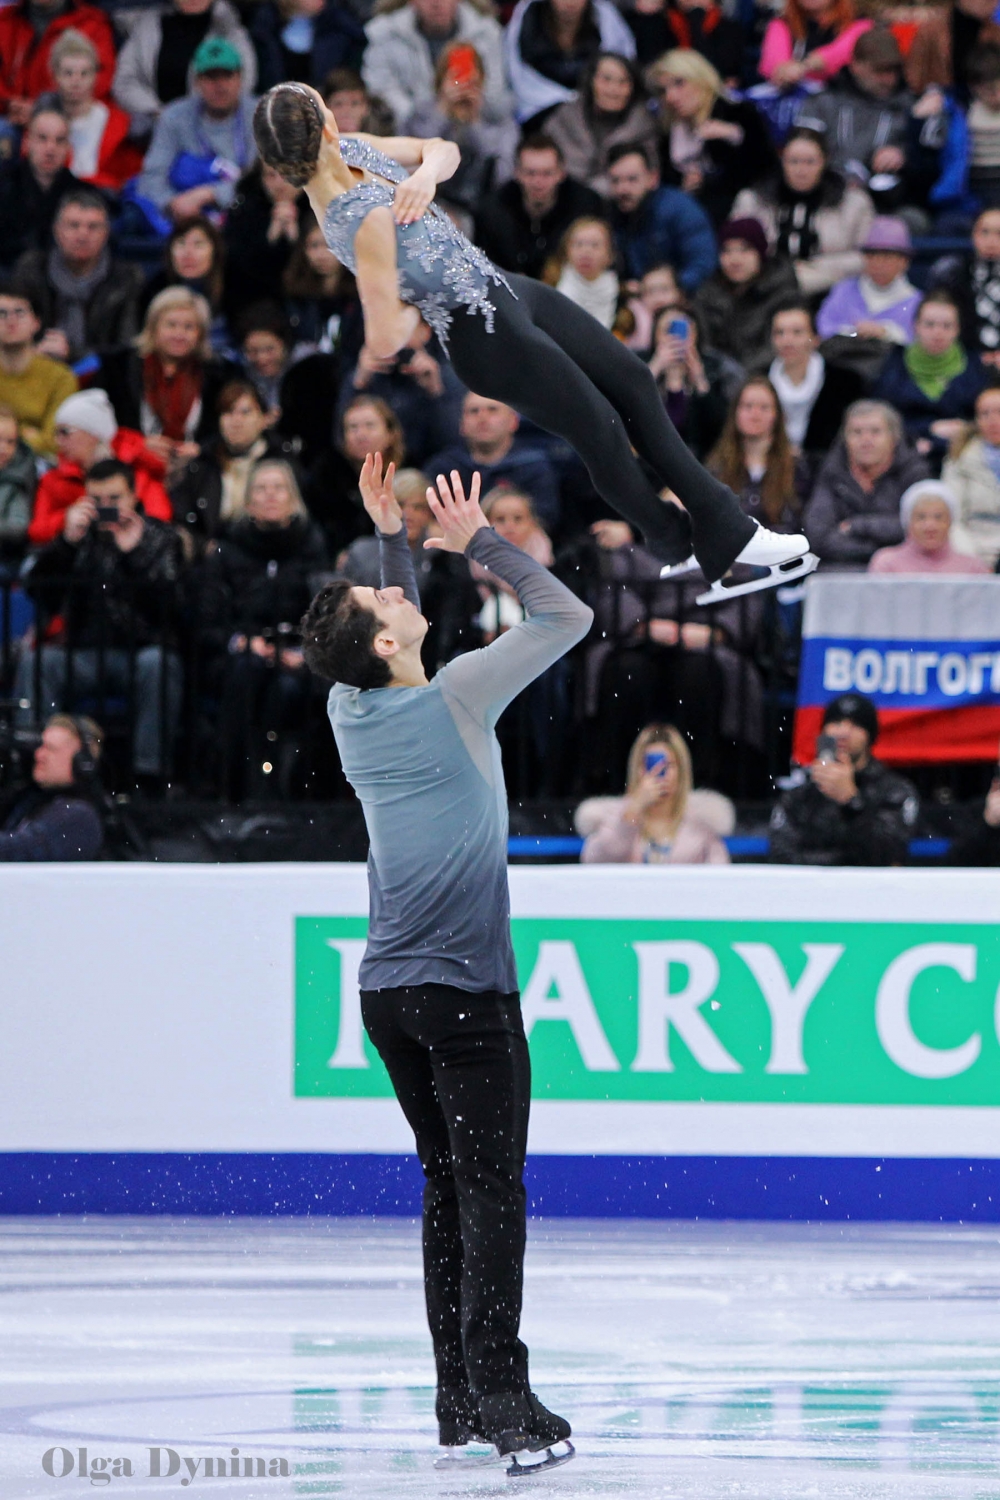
<point x="86" y="431"/>
<point x="927" y="512"/>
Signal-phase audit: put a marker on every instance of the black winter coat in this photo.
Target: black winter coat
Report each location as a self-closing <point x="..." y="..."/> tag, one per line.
<point x="874" y="828"/>
<point x="108" y="597"/>
<point x="730" y="168"/>
<point x="515" y="242"/>
<point x="737" y="320"/>
<point x="112" y="312"/>
<point x="338" y="42"/>
<point x="259" y="579"/>
<point x="254" y="264"/>
<point x="27" y="210"/>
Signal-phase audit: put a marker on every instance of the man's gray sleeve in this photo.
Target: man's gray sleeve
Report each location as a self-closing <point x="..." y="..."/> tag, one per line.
<point x="484" y="682"/>
<point x="396" y="564"/>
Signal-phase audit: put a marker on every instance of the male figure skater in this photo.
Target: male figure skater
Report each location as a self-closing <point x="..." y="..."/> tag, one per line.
<point x="438" y="985"/>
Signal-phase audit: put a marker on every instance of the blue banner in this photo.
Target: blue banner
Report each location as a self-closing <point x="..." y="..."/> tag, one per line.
<point x="913" y="674"/>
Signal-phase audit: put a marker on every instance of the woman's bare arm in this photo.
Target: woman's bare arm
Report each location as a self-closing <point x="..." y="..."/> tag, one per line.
<point x="388" y="321"/>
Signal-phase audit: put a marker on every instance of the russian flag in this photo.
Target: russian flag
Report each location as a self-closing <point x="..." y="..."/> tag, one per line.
<point x="925" y="650"/>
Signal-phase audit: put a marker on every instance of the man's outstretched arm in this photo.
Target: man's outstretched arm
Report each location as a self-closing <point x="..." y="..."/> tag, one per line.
<point x="394" y="556"/>
<point x="485" y="681"/>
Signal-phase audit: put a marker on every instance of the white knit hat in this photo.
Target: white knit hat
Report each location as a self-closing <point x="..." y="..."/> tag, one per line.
<point x="89" y="411"/>
<point x="926" y="489"/>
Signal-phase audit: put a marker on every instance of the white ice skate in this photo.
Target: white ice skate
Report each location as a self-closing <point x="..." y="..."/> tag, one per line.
<point x="779" y="559"/>
<point x="529" y="1461"/>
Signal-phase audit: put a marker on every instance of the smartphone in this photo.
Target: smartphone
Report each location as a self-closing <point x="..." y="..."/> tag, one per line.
<point x="463" y="65"/>
<point x="826" y="748"/>
<point x="107" y="515"/>
<point x="678" y="328"/>
<point x="656" y="761"/>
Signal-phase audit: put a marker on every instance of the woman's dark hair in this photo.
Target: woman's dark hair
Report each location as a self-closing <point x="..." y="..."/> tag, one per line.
<point x="337" y="639"/>
<point x="235" y="390"/>
<point x="299" y="278"/>
<point x="342" y="81"/>
<point x="288" y="129"/>
<point x="938" y="294"/>
<point x="728" y="463"/>
<point x="795" y="304"/>
<point x="804" y="133"/>
<point x="214" y="281"/>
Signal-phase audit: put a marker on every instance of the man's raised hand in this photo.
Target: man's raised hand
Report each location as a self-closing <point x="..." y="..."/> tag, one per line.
<point x="377" y="493"/>
<point x="459" y="518"/>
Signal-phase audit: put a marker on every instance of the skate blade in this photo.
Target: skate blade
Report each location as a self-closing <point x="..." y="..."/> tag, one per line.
<point x="681" y="569"/>
<point x="526" y="1463"/>
<point x="468" y="1456"/>
<point x="777" y="574"/>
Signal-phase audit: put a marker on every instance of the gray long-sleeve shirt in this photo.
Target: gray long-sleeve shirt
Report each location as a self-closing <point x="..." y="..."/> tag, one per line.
<point x="185" y="126"/>
<point x="425" y="764"/>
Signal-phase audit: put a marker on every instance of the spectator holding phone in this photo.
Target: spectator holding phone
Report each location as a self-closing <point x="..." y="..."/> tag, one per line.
<point x="456" y="114"/>
<point x="660" y="820"/>
<point x="846" y="808"/>
<point x="696" y="383"/>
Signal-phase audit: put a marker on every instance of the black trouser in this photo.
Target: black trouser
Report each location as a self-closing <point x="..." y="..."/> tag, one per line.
<point x="459" y="1064"/>
<point x="562" y="369"/>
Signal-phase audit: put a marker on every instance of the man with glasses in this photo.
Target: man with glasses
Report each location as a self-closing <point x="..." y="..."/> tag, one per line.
<point x="33" y="385"/>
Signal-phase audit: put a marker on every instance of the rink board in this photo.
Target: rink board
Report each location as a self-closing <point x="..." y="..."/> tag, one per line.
<point x="739" y="1042"/>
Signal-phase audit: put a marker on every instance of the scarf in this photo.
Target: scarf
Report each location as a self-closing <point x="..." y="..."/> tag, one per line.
<point x="879" y="299"/>
<point x="598" y="297"/>
<point x="171" y="397"/>
<point x="797" y="236"/>
<point x="797" y="401"/>
<point x="235" y="473"/>
<point x="72" y="295"/>
<point x="985" y="279"/>
<point x="933" y="373"/>
<point x="679" y="24"/>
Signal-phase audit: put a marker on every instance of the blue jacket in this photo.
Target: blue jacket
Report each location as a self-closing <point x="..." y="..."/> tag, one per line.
<point x="667" y="226"/>
<point x="952" y="187"/>
<point x="338" y="42"/>
<point x="897" y="386"/>
<point x="51" y="825"/>
<point x="526" y="466"/>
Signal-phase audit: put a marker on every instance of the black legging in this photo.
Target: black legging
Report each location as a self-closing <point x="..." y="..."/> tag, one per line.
<point x="556" y="365"/>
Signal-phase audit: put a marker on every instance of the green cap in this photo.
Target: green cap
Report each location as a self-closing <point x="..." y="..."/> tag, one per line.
<point x="216" y="55"/>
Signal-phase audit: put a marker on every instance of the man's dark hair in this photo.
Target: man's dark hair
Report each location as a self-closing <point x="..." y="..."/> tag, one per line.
<point x="83" y="197"/>
<point x="265" y="317"/>
<point x="107" y="468"/>
<point x="338" y="636"/>
<point x="795" y="304"/>
<point x="538" y="141"/>
<point x="983" y="65"/>
<point x="13" y="286"/>
<point x="629" y="148"/>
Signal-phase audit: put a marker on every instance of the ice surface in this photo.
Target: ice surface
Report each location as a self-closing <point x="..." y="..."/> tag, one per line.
<point x="695" y="1361"/>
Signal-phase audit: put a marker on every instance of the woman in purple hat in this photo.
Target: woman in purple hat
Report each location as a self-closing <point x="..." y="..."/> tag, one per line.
<point x="881" y="303"/>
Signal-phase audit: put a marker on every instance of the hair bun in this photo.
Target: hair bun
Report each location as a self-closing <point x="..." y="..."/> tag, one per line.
<point x="288" y="129"/>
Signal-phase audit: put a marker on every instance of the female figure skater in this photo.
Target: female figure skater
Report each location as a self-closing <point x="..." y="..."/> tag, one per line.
<point x="511" y="338"/>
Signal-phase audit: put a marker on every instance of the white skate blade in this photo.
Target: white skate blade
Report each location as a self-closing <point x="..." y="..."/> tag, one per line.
<point x="679" y="570"/>
<point x="526" y="1462"/>
<point x="467" y="1456"/>
<point x="777" y="573"/>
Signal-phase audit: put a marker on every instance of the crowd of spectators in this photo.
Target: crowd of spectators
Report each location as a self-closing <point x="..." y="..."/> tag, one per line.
<point x="789" y="210"/>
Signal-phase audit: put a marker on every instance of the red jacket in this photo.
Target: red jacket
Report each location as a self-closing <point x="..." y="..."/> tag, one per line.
<point x="117" y="158"/>
<point x="24" y="59"/>
<point x="62" y="486"/>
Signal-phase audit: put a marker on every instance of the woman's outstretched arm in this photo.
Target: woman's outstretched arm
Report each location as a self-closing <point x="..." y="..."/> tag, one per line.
<point x="388" y="321"/>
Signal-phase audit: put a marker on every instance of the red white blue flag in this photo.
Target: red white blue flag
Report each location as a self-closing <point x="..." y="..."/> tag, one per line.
<point x="925" y="650"/>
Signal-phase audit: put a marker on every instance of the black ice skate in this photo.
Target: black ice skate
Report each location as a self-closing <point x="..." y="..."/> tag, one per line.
<point x="532" y="1438"/>
<point x="462" y="1443"/>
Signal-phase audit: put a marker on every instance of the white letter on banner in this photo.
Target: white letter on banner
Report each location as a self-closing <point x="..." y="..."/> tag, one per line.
<point x="978" y="663"/>
<point x="868" y="671"/>
<point x="952" y="674"/>
<point x="558" y="964"/>
<point x="350" y="1051"/>
<point x="892" y="1011"/>
<point x="897" y="664"/>
<point x="837" y="669"/>
<point x="995" y="674"/>
<point x="788" y="1003"/>
<point x="659" y="1009"/>
<point x="924" y="661"/>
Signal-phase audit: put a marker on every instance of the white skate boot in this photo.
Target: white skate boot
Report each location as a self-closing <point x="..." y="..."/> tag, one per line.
<point x="780" y="559"/>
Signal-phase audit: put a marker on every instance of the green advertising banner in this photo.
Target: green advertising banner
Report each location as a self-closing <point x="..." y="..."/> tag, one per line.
<point x="804" y="1012"/>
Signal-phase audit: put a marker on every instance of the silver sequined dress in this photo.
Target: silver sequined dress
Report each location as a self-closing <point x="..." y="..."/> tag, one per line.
<point x="440" y="271"/>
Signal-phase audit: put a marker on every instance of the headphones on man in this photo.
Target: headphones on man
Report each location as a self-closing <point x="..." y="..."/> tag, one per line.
<point x="85" y="760"/>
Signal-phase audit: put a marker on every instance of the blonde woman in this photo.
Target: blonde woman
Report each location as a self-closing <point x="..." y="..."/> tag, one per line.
<point x="660" y="820"/>
<point x="712" y="145"/>
<point x="167" y="386"/>
<point x="584" y="269"/>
